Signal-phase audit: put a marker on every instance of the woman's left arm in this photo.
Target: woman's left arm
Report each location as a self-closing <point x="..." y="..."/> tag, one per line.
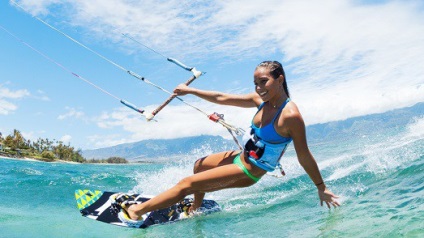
<point x="297" y="131"/>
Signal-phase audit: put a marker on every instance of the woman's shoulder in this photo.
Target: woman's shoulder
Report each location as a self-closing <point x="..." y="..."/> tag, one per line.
<point x="290" y="120"/>
<point x="291" y="110"/>
<point x="292" y="116"/>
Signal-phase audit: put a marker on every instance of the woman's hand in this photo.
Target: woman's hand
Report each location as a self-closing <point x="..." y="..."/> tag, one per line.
<point x="328" y="197"/>
<point x="182" y="89"/>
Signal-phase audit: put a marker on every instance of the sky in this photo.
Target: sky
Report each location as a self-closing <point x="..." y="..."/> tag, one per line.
<point x="343" y="58"/>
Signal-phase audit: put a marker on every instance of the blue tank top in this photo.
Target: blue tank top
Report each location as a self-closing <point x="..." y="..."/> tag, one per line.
<point x="267" y="138"/>
<point x="267" y="132"/>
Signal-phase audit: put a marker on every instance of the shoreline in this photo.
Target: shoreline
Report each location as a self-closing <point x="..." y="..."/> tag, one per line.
<point x="64" y="161"/>
<point x="5" y="156"/>
<point x="21" y="158"/>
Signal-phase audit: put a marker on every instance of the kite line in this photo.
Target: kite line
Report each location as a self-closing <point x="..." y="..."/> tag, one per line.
<point x="149" y="116"/>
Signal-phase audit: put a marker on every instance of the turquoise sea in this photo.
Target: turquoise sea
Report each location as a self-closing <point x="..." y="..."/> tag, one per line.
<point x="380" y="178"/>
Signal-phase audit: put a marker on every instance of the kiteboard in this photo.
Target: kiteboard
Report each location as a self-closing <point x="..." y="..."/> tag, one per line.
<point x="96" y="205"/>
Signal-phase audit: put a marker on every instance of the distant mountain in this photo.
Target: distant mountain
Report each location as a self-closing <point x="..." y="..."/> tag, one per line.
<point x="353" y="127"/>
<point x="147" y="149"/>
<point x="363" y="125"/>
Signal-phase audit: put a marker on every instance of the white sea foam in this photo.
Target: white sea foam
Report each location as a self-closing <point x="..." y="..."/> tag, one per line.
<point x="416" y="128"/>
<point x="377" y="154"/>
<point x="30" y="171"/>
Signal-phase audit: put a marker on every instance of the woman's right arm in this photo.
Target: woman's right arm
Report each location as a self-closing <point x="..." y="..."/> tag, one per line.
<point x="246" y="100"/>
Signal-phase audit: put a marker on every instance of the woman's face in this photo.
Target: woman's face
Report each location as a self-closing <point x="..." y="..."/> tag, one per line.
<point x="265" y="85"/>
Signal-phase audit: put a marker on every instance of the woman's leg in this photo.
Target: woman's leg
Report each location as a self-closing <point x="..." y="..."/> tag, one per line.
<point x="210" y="162"/>
<point x="225" y="176"/>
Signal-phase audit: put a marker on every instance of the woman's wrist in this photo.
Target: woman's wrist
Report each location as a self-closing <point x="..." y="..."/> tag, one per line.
<point x="320" y="186"/>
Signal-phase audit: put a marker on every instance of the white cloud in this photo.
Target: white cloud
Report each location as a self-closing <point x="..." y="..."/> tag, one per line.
<point x="71" y="113"/>
<point x="29" y="135"/>
<point x="41" y="95"/>
<point x="333" y="48"/>
<point x="172" y="122"/>
<point x="344" y="58"/>
<point x="37" y="7"/>
<point x="66" y="139"/>
<point x="6" y="107"/>
<point x="7" y="97"/>
<point x="7" y="93"/>
<point x="101" y="141"/>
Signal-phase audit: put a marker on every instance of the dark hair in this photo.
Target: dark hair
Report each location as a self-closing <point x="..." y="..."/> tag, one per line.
<point x="275" y="69"/>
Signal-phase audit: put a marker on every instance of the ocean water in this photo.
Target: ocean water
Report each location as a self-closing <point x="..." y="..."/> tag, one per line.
<point x="379" y="178"/>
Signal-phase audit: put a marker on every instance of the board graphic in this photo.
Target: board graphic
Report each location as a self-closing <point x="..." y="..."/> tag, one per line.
<point x="95" y="204"/>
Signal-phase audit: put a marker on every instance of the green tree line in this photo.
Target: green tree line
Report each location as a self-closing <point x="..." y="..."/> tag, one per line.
<point x="16" y="145"/>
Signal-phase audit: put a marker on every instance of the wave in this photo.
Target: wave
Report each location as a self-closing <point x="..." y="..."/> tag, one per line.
<point x="358" y="166"/>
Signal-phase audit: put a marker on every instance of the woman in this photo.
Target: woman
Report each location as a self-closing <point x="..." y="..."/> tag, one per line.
<point x="277" y="123"/>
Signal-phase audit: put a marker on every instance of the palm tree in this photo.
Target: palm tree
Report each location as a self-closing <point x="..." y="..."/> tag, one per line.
<point x="18" y="139"/>
<point x="1" y="141"/>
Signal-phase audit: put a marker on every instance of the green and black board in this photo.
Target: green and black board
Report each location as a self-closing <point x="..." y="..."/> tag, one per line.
<point x="95" y="204"/>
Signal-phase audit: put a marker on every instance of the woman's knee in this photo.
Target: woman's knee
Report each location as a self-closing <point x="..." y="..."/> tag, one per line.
<point x="198" y="165"/>
<point x="185" y="186"/>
